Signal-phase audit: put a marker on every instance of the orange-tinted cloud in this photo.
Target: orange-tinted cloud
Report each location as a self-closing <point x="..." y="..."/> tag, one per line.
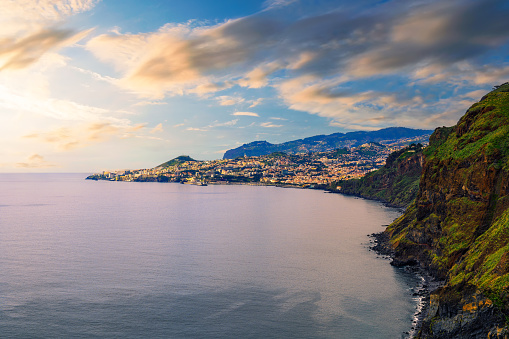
<point x="20" y="53"/>
<point x="69" y="138"/>
<point x="35" y="161"/>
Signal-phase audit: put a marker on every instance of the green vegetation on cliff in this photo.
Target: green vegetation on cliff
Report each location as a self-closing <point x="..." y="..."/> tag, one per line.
<point x="396" y="183"/>
<point x="458" y="225"/>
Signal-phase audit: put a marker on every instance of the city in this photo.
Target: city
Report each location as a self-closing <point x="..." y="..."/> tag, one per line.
<point x="306" y="170"/>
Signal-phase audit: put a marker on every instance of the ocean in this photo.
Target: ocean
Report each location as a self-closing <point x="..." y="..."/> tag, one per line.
<point x="101" y="259"/>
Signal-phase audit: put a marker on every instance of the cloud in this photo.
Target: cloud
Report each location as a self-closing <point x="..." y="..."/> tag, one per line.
<point x="157" y="129"/>
<point x="69" y="138"/>
<point x="251" y="114"/>
<point x="215" y="124"/>
<point x="150" y="103"/>
<point x="225" y="100"/>
<point x="256" y="102"/>
<point x="21" y="16"/>
<point x="20" y="53"/>
<point x="269" y="125"/>
<point x="35" y="161"/>
<point x="29" y="29"/>
<point x="222" y="124"/>
<point x="39" y="105"/>
<point x="270" y="4"/>
<point x="330" y="63"/>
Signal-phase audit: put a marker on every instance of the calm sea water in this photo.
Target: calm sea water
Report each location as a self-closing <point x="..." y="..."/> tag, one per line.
<point x="86" y="259"/>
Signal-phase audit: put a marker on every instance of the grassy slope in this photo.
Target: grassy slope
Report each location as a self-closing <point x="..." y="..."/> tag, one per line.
<point x="396" y="183"/>
<point x="459" y="224"/>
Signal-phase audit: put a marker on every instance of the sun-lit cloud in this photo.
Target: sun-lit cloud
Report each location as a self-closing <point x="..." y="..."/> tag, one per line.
<point x="270" y="125"/>
<point x="157" y="129"/>
<point x="25" y="15"/>
<point x="69" y="138"/>
<point x="20" y="53"/>
<point x="225" y="100"/>
<point x="31" y="28"/>
<point x="53" y="108"/>
<point x="250" y="114"/>
<point x="255" y="103"/>
<point x="35" y="161"/>
<point x="423" y="41"/>
<point x="150" y="103"/>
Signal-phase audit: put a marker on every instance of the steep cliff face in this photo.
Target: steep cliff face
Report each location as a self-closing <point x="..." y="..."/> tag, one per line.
<point x="458" y="225"/>
<point x="396" y="183"/>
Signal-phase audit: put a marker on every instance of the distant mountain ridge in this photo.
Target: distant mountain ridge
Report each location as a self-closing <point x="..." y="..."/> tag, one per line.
<point x="323" y="143"/>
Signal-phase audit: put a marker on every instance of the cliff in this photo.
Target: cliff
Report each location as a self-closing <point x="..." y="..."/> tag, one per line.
<point x="458" y="226"/>
<point x="396" y="183"/>
<point x="324" y="143"/>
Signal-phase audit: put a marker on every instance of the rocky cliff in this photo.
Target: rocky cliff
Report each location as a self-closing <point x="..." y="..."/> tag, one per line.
<point x="458" y="226"/>
<point x="396" y="183"/>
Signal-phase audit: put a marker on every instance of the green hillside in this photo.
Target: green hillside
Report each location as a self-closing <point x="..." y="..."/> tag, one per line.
<point x="396" y="183"/>
<point x="458" y="225"/>
<point x="176" y="161"/>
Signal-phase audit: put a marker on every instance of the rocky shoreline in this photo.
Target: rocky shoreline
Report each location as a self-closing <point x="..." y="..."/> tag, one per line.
<point x="380" y="245"/>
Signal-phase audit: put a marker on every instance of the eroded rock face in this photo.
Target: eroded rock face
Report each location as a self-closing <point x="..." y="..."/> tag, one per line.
<point x="458" y="225"/>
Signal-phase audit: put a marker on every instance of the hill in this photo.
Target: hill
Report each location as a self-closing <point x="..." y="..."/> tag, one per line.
<point x="324" y="143"/>
<point x="176" y="161"/>
<point x="396" y="183"/>
<point x="458" y="226"/>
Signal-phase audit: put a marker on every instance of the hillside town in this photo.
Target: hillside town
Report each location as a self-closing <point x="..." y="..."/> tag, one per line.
<point x="307" y="170"/>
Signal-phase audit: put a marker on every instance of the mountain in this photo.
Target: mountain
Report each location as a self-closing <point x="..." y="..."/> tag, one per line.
<point x="177" y="161"/>
<point x="396" y="183"/>
<point x="457" y="228"/>
<point x="323" y="143"/>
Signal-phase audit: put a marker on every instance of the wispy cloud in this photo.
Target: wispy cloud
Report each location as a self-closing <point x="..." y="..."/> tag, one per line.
<point x="157" y="129"/>
<point x="30" y="29"/>
<point x="223" y="124"/>
<point x="35" y="161"/>
<point x="256" y="102"/>
<point x="250" y="114"/>
<point x="270" y="125"/>
<point x="69" y="138"/>
<point x="150" y="103"/>
<point x="225" y="100"/>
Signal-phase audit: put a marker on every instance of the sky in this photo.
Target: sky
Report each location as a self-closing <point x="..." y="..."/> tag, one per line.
<point x="93" y="85"/>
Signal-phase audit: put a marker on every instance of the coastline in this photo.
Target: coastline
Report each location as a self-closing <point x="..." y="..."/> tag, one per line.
<point x="380" y="245"/>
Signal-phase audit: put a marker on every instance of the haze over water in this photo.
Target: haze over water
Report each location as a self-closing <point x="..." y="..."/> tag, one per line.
<point x="87" y="259"/>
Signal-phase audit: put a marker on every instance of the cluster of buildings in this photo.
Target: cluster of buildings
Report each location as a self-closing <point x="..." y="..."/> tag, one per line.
<point x="304" y="170"/>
